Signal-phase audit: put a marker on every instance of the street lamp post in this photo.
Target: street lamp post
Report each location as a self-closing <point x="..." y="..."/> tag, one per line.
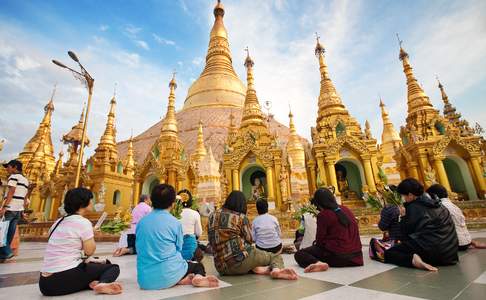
<point x="88" y="81"/>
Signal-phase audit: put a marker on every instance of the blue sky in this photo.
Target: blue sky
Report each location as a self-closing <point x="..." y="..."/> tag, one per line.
<point x="137" y="44"/>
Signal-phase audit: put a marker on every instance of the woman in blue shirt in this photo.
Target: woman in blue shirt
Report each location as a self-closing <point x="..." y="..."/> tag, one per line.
<point x="159" y="244"/>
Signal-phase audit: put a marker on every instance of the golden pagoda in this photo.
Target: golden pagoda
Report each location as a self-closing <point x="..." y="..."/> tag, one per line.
<point x="390" y="143"/>
<point x="110" y="178"/>
<point x="252" y="160"/>
<point x="37" y="156"/>
<point x="438" y="148"/>
<point x="347" y="157"/>
<point x="214" y="104"/>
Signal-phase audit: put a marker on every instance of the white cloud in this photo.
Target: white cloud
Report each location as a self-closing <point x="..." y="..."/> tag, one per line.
<point x="142" y="44"/>
<point x="132" y="31"/>
<point x="24" y="63"/>
<point x="127" y="58"/>
<point x="197" y="61"/>
<point x="104" y="27"/>
<point x="163" y="41"/>
<point x="183" y="5"/>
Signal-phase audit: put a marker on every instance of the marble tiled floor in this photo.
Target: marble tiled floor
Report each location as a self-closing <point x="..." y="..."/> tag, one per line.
<point x="467" y="280"/>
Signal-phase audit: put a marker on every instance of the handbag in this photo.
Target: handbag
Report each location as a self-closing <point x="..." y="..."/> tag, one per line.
<point x="3" y="232"/>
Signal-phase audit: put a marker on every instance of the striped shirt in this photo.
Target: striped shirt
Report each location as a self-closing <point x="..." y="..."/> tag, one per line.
<point x="463" y="234"/>
<point x="65" y="246"/>
<point x="21" y="184"/>
<point x="266" y="231"/>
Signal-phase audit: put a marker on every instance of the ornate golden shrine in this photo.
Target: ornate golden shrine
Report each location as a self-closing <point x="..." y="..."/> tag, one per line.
<point x="431" y="142"/>
<point x="338" y="137"/>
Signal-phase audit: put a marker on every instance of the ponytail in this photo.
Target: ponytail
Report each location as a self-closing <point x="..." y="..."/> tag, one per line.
<point x="324" y="199"/>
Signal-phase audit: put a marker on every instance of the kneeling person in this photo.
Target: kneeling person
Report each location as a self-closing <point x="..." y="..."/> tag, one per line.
<point x="159" y="245"/>
<point x="266" y="230"/>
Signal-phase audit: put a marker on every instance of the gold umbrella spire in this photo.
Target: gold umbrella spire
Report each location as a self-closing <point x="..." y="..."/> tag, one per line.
<point x="329" y="100"/>
<point x="416" y="97"/>
<point x="200" y="151"/>
<point x="252" y="113"/>
<point x="169" y="124"/>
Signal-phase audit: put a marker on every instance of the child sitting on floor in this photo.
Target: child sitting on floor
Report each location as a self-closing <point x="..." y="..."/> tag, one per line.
<point x="266" y="230"/>
<point x="159" y="246"/>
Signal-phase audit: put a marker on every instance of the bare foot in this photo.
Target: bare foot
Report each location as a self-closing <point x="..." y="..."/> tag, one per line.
<point x="208" y="281"/>
<point x="186" y="280"/>
<point x="261" y="270"/>
<point x="418" y="263"/>
<point x="478" y="244"/>
<point x="317" y="267"/>
<point x="113" y="288"/>
<point x="287" y="274"/>
<point x="93" y="284"/>
<point x="121" y="252"/>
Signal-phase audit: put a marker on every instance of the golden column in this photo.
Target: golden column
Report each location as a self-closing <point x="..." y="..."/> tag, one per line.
<point x="236" y="180"/>
<point x="332" y="175"/>
<point x="478" y="174"/>
<point x="441" y="172"/>
<point x="136" y="191"/>
<point x="322" y="169"/>
<point x="229" y="179"/>
<point x="370" y="180"/>
<point x="172" y="178"/>
<point x="412" y="170"/>
<point x="313" y="176"/>
<point x="270" y="183"/>
<point x="423" y="163"/>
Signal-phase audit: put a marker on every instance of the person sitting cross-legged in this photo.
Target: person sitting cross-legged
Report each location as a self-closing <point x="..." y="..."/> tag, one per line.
<point x="229" y="234"/>
<point x="337" y="241"/>
<point x="64" y="271"/>
<point x="429" y="235"/>
<point x="463" y="235"/>
<point x="159" y="248"/>
<point x="266" y="230"/>
<point x="191" y="227"/>
<point x="126" y="244"/>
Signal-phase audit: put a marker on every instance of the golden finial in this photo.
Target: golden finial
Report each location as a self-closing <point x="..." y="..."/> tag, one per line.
<point x="81" y="118"/>
<point x="319" y="48"/>
<point x="54" y="91"/>
<point x="403" y="53"/>
<point x="219" y="9"/>
<point x="173" y="83"/>
<point x="248" y="61"/>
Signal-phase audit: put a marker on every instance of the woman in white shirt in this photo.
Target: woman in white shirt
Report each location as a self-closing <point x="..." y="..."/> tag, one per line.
<point x="463" y="235"/>
<point x="191" y="225"/>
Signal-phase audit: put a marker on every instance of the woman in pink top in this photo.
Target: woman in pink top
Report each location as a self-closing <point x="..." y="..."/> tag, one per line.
<point x="127" y="238"/>
<point x="71" y="238"/>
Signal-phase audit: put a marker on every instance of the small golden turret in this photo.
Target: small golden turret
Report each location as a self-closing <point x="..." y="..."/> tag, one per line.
<point x="252" y="113"/>
<point x="389" y="134"/>
<point x="200" y="151"/>
<point x="169" y="124"/>
<point x="329" y="100"/>
<point x="130" y="159"/>
<point x="106" y="150"/>
<point x="58" y="166"/>
<point x="295" y="148"/>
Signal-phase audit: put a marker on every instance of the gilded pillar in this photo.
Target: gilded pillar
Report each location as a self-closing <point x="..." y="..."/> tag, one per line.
<point x="236" y="180"/>
<point x="322" y="169"/>
<point x="270" y="183"/>
<point x="278" y="194"/>
<point x="441" y="172"/>
<point x="424" y="165"/>
<point x="374" y="167"/>
<point x="332" y="176"/>
<point x="172" y="178"/>
<point x="478" y="173"/>
<point x="312" y="181"/>
<point x="227" y="173"/>
<point x="369" y="175"/>
<point x="136" y="192"/>
<point x="412" y="170"/>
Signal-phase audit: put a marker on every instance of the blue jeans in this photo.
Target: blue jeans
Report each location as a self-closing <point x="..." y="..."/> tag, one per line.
<point x="189" y="246"/>
<point x="13" y="217"/>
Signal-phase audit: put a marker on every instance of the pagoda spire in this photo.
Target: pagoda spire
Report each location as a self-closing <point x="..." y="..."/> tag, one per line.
<point x="389" y="133"/>
<point x="329" y="100"/>
<point x="200" y="151"/>
<point x="107" y="146"/>
<point x="58" y="166"/>
<point x="416" y="97"/>
<point x="294" y="140"/>
<point x="218" y="57"/>
<point x="252" y="113"/>
<point x="130" y="160"/>
<point x="449" y="110"/>
<point x="169" y="124"/>
<point x="44" y="129"/>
